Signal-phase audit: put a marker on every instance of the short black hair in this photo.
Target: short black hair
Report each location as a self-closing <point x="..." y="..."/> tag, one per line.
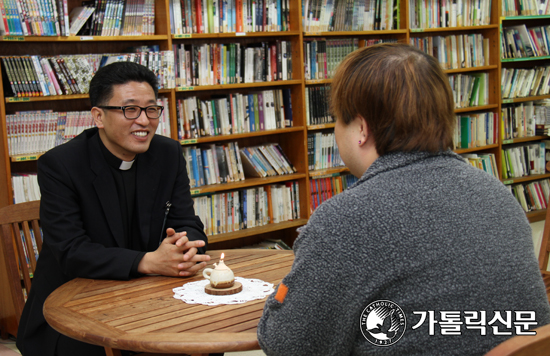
<point x="101" y="85"/>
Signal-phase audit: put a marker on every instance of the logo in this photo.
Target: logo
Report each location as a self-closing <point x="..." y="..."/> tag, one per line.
<point x="383" y="323"/>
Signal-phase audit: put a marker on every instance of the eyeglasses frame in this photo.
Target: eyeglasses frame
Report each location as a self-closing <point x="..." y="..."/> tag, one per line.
<point x="141" y="109"/>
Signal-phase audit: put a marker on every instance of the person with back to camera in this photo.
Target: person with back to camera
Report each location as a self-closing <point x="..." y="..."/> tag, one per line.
<point x="425" y="254"/>
<point x="115" y="204"/>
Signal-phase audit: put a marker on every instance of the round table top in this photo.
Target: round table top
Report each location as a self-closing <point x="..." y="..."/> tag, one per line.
<point x="142" y="314"/>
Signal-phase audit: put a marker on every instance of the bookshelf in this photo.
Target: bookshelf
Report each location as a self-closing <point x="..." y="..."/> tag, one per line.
<point x="512" y="18"/>
<point x="293" y="140"/>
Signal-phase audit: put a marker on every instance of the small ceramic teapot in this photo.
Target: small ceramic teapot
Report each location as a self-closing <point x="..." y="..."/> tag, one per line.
<point x="220" y="277"/>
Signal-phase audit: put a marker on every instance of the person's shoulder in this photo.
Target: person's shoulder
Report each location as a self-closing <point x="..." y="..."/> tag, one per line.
<point x="163" y="142"/>
<point x="70" y="149"/>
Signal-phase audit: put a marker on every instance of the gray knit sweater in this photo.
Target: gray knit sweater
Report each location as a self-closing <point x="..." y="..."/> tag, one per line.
<point x="427" y="232"/>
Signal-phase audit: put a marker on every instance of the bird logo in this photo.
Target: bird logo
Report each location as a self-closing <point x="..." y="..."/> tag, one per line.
<point x="383" y="323"/>
<point x="385" y="328"/>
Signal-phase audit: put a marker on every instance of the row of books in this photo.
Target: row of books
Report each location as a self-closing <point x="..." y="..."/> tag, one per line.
<point x="31" y="76"/>
<point x="31" y="132"/>
<point x="524" y="160"/>
<point x="29" y="17"/>
<point x="247" y="208"/>
<point x="532" y="196"/>
<point x="524" y="82"/>
<point x="449" y="13"/>
<point x="215" y="164"/>
<point x="234" y="113"/>
<point x="25" y="187"/>
<point x="322" y="151"/>
<point x="470" y="89"/>
<point x="322" y="56"/>
<point x="97" y="18"/>
<point x="522" y="42"/>
<point x="523" y="119"/>
<point x="265" y="161"/>
<point x="350" y="15"/>
<point x="222" y="16"/>
<point x="483" y="161"/>
<point x="317" y="105"/>
<point x="114" y="18"/>
<point x="218" y="63"/>
<point x="476" y="130"/>
<point x="456" y="51"/>
<point x="322" y="189"/>
<point x="524" y="8"/>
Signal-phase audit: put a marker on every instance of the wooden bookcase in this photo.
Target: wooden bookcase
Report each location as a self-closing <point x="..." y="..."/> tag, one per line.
<point x="293" y="140"/>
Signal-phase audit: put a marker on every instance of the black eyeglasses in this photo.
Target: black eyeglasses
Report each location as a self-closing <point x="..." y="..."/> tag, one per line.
<point x="132" y="112"/>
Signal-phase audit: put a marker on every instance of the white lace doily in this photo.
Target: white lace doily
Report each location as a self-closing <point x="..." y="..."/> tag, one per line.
<point x="193" y="292"/>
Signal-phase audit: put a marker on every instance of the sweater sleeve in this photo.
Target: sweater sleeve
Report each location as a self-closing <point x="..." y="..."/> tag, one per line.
<point x="311" y="312"/>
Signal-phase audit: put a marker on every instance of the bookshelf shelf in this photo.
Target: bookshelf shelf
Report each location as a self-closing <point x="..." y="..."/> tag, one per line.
<point x="82" y="38"/>
<point x="471" y="69"/>
<point x="354" y="33"/>
<point x="321" y="126"/>
<point x="328" y="172"/>
<point x="537" y="215"/>
<point x="208" y="139"/>
<point x="46" y="98"/>
<point x="256" y="231"/>
<point x="318" y="81"/>
<point x="525" y="59"/>
<point x="522" y="18"/>
<point x="524" y="139"/>
<point x="238" y="86"/>
<point x="203" y="36"/>
<point x="477" y="108"/>
<point x="415" y="31"/>
<point x="476" y="149"/>
<point x="248" y="182"/>
<point x="528" y="98"/>
<point x="526" y="178"/>
<point x="26" y="158"/>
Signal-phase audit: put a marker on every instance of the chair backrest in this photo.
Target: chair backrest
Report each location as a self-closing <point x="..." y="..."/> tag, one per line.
<point x="21" y="240"/>
<point x="545" y="244"/>
<point x="525" y="345"/>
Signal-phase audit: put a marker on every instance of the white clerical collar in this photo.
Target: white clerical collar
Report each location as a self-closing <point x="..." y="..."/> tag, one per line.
<point x="124" y="165"/>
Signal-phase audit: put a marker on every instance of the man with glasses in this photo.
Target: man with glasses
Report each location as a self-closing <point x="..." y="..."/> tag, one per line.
<point x="116" y="204"/>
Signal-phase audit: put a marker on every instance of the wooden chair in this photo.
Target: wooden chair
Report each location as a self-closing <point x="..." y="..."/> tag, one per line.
<point x="18" y="221"/>
<point x="545" y="249"/>
<point x="525" y="345"/>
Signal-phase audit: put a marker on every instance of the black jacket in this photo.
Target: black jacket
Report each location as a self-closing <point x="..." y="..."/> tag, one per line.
<point x="81" y="221"/>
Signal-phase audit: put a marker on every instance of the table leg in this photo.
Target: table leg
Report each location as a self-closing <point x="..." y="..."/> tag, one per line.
<point x="112" y="352"/>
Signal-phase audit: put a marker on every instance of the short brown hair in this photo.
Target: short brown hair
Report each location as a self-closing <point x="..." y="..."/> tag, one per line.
<point x="402" y="93"/>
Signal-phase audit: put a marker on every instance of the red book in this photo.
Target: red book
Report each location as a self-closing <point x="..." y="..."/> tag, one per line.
<point x="239" y="15"/>
<point x="200" y="27"/>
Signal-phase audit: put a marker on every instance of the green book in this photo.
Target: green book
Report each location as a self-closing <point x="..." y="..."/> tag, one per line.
<point x="217" y="128"/>
<point x="465" y="132"/>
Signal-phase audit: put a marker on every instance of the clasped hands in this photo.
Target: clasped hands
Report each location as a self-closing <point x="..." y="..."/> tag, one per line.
<point x="175" y="256"/>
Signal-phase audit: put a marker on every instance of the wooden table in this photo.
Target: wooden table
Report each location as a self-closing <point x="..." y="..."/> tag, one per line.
<point x="142" y="314"/>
